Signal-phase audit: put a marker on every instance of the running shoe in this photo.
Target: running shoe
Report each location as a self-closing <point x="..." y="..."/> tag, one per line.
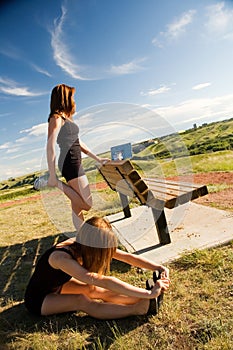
<point x="156" y="277"/>
<point x="154" y="307"/>
<point x="40" y="182"/>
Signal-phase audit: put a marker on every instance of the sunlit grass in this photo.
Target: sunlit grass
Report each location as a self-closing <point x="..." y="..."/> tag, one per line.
<point x="196" y="314"/>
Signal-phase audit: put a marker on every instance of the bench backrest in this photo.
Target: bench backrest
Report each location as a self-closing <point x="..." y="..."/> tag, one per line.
<point x="121" y="176"/>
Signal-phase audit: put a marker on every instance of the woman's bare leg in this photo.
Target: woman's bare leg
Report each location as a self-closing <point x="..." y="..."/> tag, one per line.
<point x="78" y="191"/>
<point x="59" y="303"/>
<point x="81" y="186"/>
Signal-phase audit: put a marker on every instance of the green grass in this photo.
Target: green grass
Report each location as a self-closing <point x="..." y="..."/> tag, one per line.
<point x="211" y="137"/>
<point x="201" y="163"/>
<point x="19" y="192"/>
<point x="197" y="311"/>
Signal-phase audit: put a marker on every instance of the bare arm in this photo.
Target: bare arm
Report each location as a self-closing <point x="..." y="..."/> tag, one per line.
<point x="139" y="261"/>
<point x="62" y="261"/>
<point x="53" y="128"/>
<point x="89" y="153"/>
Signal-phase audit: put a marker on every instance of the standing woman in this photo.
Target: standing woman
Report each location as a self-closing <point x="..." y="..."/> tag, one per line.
<point x="63" y="130"/>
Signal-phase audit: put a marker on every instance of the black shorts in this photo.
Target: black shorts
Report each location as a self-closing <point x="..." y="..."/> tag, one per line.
<point x="70" y="165"/>
<point x="33" y="299"/>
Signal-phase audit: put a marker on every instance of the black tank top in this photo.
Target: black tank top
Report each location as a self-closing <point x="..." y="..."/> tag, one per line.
<point x="45" y="276"/>
<point x="68" y="135"/>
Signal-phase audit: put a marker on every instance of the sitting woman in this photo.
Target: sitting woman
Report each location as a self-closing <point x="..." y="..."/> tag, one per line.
<point x="72" y="276"/>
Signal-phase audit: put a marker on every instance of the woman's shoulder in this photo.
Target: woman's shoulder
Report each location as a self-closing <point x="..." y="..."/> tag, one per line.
<point x="55" y="116"/>
<point x="67" y="242"/>
<point x="58" y="255"/>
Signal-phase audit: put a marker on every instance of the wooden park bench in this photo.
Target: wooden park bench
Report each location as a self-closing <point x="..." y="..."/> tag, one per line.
<point x="156" y="193"/>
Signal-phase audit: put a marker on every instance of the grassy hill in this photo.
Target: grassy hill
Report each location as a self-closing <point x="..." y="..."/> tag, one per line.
<point x="207" y="138"/>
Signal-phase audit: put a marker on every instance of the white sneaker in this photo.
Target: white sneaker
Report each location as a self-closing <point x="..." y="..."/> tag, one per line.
<point x="39" y="183"/>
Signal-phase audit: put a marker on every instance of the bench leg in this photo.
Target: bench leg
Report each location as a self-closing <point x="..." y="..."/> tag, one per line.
<point x="161" y="226"/>
<point x="125" y="205"/>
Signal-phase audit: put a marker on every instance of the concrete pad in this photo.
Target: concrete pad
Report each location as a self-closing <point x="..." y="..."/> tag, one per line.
<point x="191" y="226"/>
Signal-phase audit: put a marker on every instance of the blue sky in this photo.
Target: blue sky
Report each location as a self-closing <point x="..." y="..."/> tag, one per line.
<point x="142" y="68"/>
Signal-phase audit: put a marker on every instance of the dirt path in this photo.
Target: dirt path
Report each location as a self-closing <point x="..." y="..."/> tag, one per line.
<point x="222" y="199"/>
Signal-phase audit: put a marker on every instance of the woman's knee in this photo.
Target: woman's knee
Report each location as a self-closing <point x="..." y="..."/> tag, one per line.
<point x="78" y="207"/>
<point x="88" y="204"/>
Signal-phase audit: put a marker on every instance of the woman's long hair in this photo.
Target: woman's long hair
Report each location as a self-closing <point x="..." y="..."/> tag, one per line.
<point x="97" y="244"/>
<point x="62" y="101"/>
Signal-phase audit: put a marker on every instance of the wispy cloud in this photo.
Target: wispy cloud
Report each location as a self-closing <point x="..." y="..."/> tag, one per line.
<point x="5" y="146"/>
<point x="33" y="140"/>
<point x="10" y="51"/>
<point x="201" y="86"/>
<point x="66" y="61"/>
<point x="201" y="109"/>
<point x="175" y="29"/>
<point x="152" y="92"/>
<point x="10" y="87"/>
<point x="220" y="20"/>
<point x="41" y="70"/>
<point x="128" y="68"/>
<point x="36" y="130"/>
<point x="178" y="27"/>
<point x="12" y="150"/>
<point x="61" y="54"/>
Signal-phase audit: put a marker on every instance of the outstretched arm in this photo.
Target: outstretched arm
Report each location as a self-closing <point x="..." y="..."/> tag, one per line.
<point x="61" y="260"/>
<point x="139" y="261"/>
<point x="89" y="153"/>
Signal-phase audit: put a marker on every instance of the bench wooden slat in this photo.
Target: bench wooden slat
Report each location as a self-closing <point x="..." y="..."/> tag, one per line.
<point x="125" y="166"/>
<point x="175" y="191"/>
<point x="169" y="190"/>
<point x="171" y="201"/>
<point x="171" y="184"/>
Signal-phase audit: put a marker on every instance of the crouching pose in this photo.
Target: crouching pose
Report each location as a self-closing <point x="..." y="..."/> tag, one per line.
<point x="73" y="276"/>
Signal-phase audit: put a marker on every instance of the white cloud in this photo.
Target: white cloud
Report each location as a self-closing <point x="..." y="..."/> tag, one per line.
<point x="10" y="87"/>
<point x="203" y="109"/>
<point x="16" y="154"/>
<point x="61" y="53"/>
<point x="220" y="20"/>
<point x="41" y="70"/>
<point x="36" y="130"/>
<point x="128" y="68"/>
<point x="5" y="146"/>
<point x="12" y="150"/>
<point x="19" y="167"/>
<point x="23" y="153"/>
<point x="10" y="51"/>
<point x="116" y="133"/>
<point x="66" y="61"/>
<point x="157" y="42"/>
<point x="178" y="27"/>
<point x="152" y="92"/>
<point x="201" y="86"/>
<point x="175" y="29"/>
